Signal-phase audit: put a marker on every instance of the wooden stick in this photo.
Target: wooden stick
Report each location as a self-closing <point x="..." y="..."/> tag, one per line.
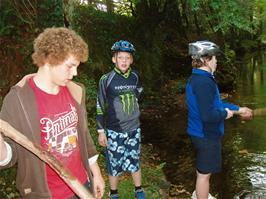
<point x="64" y="173"/>
<point x="255" y="112"/>
<point x="259" y="112"/>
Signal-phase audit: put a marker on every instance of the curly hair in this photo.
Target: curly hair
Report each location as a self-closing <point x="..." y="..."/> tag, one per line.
<point x="54" y="45"/>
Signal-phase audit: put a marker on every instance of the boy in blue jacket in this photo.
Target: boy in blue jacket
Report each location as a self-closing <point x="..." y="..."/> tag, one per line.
<point x="206" y="114"/>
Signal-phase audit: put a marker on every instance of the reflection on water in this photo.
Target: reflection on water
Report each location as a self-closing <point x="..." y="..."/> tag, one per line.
<point x="244" y="143"/>
<point x="257" y="172"/>
<point x="251" y="91"/>
<point x="254" y="194"/>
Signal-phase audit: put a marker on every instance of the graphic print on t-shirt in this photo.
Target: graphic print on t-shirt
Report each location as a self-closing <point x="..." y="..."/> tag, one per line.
<point x="59" y="132"/>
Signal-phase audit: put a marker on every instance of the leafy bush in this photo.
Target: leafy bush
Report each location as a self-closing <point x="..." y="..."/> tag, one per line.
<point x="8" y="183"/>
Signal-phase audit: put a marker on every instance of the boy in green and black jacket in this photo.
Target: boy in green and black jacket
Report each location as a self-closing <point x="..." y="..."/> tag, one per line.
<point x="118" y="118"/>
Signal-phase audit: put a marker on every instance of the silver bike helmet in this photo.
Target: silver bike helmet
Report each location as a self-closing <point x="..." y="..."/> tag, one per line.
<point x="123" y="46"/>
<point x="200" y="49"/>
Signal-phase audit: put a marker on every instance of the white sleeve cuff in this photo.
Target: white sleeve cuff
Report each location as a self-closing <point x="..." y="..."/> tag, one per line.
<point x="93" y="159"/>
<point x="8" y="155"/>
<point x="100" y="130"/>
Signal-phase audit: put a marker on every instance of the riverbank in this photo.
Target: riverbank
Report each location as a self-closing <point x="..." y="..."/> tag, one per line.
<point x="157" y="127"/>
<point x="175" y="153"/>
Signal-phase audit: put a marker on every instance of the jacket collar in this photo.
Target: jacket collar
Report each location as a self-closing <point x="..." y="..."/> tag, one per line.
<point x="126" y="74"/>
<point x="198" y="71"/>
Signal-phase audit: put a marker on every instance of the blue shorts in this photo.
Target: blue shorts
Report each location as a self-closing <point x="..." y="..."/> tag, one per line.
<point x="208" y="154"/>
<point x="123" y="151"/>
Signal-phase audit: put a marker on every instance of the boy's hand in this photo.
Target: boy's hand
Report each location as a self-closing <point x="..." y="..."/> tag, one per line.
<point x="102" y="139"/>
<point x="245" y="113"/>
<point x="229" y="113"/>
<point x="99" y="186"/>
<point x="98" y="181"/>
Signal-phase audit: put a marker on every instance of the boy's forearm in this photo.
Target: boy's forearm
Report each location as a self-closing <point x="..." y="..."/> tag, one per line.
<point x="3" y="150"/>
<point x="95" y="169"/>
<point x="231" y="106"/>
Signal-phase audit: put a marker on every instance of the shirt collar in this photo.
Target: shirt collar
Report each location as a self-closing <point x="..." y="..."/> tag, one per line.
<point x="125" y="75"/>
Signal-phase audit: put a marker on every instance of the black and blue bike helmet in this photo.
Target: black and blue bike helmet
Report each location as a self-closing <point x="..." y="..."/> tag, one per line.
<point x="123" y="46"/>
<point x="200" y="49"/>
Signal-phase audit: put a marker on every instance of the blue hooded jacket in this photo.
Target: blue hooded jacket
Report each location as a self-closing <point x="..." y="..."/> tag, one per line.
<point x="206" y="110"/>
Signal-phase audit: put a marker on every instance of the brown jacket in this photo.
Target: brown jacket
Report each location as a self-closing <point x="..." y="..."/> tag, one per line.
<point x="19" y="109"/>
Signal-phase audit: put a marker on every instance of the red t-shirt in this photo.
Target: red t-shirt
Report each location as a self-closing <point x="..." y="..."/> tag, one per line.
<point x="58" y="124"/>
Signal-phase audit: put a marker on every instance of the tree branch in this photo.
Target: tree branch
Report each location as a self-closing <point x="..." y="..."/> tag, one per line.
<point x="45" y="156"/>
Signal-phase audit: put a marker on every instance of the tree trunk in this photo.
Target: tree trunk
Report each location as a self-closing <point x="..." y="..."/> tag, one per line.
<point x="184" y="13"/>
<point x="197" y="24"/>
<point x="110" y="6"/>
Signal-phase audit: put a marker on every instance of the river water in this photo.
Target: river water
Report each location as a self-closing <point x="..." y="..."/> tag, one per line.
<point x="244" y="143"/>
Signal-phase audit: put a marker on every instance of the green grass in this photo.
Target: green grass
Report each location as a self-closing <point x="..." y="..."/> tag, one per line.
<point x="152" y="177"/>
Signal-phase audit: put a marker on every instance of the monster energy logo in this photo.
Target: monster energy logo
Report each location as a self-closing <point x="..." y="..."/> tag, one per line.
<point x="128" y="101"/>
